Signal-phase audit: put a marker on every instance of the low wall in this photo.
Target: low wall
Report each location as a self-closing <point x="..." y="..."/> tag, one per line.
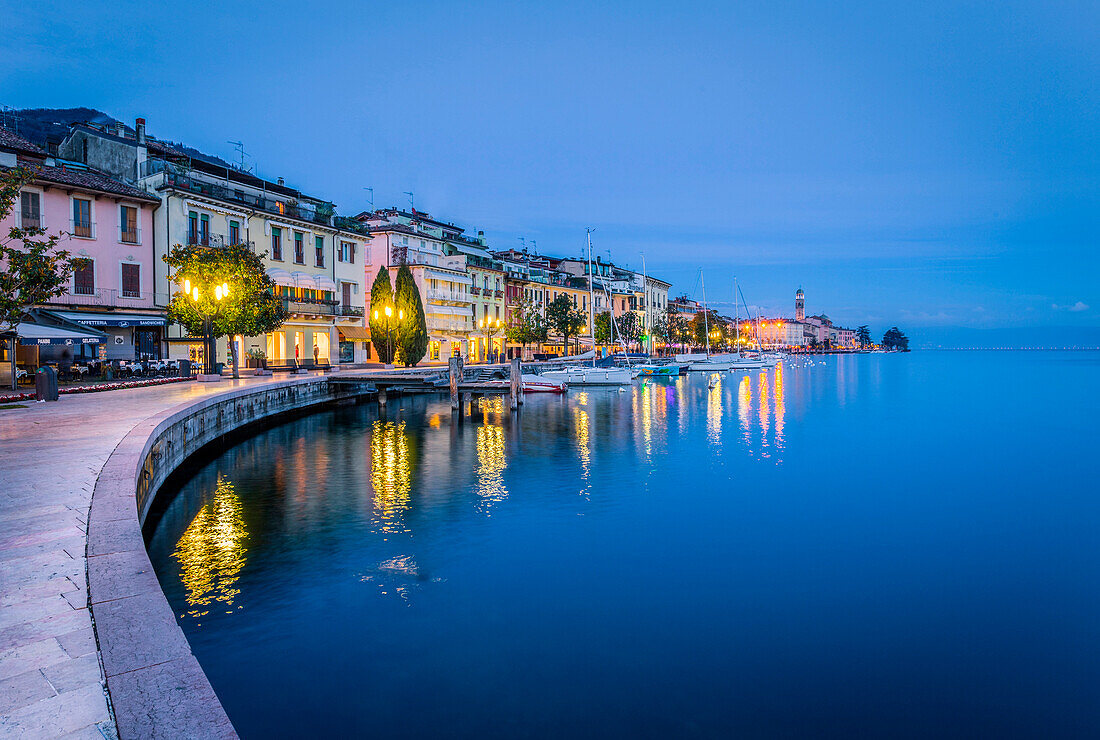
<point x="156" y="687"/>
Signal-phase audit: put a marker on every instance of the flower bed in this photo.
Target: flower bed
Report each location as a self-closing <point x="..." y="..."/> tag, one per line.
<point x="30" y="395"/>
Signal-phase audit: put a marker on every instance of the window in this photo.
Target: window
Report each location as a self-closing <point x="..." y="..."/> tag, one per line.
<point x="82" y="218"/>
<point x="346" y="253"/>
<point x="30" y="210"/>
<point x="131" y="280"/>
<point x="319" y="247"/>
<point x="127" y="220"/>
<point x="299" y="248"/>
<point x="192" y="227"/>
<point x="84" y="279"/>
<point x="234" y="232"/>
<point x="276" y="243"/>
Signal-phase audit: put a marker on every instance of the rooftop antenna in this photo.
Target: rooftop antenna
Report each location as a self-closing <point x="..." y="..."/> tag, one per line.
<point x="371" y="201"/>
<point x="412" y="205"/>
<point x="241" y="153"/>
<point x="523" y="242"/>
<point x="534" y="247"/>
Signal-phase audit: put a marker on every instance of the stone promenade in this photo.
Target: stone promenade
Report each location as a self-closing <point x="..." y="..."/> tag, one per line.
<point x="51" y="684"/>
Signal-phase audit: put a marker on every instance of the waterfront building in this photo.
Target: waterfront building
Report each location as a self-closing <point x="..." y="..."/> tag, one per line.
<point x="398" y="237"/>
<point x="314" y="257"/>
<point x="799" y="305"/>
<point x="487" y="297"/>
<point x="107" y="223"/>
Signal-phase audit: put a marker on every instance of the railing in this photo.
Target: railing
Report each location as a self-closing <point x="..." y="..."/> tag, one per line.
<point x="444" y="325"/>
<point x="350" y="311"/>
<point x="130" y="236"/>
<point x="498" y="293"/>
<point x="106" y="297"/>
<point x="286" y="208"/>
<point x="30" y="220"/>
<point x="447" y="295"/>
<point x="317" y="306"/>
<point x="474" y="290"/>
<point x="83" y="229"/>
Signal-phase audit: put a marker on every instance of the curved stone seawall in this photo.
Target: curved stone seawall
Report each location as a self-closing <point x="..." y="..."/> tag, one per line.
<point x="155" y="684"/>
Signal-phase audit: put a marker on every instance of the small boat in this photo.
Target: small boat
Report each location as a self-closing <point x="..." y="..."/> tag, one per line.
<point x="584" y="375"/>
<point x="660" y="371"/>
<point x="538" y="384"/>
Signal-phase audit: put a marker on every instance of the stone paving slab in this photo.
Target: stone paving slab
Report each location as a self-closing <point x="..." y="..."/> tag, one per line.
<point x="51" y="682"/>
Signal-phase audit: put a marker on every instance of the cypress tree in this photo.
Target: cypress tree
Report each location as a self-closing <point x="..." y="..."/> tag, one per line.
<point x="381" y="295"/>
<point x="412" y="330"/>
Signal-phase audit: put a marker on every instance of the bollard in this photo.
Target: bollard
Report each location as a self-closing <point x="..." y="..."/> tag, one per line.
<point x="516" y="385"/>
<point x="454" y="368"/>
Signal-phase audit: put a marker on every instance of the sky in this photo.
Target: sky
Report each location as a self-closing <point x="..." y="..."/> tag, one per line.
<point x="929" y="165"/>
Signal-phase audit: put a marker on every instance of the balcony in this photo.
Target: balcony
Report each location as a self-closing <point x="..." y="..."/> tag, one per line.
<point x="318" y="214"/>
<point x="216" y="241"/>
<point x="319" y="306"/>
<point x="475" y="290"/>
<point x="82" y="229"/>
<point x="350" y="311"/>
<point x="130" y="236"/>
<point x="108" y="298"/>
<point x="447" y="295"/>
<point x="498" y="293"/>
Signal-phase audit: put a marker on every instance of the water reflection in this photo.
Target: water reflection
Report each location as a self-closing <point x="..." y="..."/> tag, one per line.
<point x="714" y="409"/>
<point x="390" y="475"/>
<point x="211" y="551"/>
<point x="744" y="409"/>
<point x="491" y="462"/>
<point x="580" y="432"/>
<point x="780" y="408"/>
<point x="764" y="412"/>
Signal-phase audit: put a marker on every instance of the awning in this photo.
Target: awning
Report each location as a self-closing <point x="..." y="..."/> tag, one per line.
<point x="324" y="282"/>
<point x="471" y="250"/>
<point x="354" y="333"/>
<point x="112" y="319"/>
<point x="302" y="280"/>
<point x="456" y="278"/>
<point x="280" y="276"/>
<point x="41" y="335"/>
<point x="448" y="310"/>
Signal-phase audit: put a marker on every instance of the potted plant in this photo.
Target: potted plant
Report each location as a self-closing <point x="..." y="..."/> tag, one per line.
<point x="257" y="358"/>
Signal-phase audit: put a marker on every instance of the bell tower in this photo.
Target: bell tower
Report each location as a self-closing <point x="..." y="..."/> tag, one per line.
<point x="799" y="305"/>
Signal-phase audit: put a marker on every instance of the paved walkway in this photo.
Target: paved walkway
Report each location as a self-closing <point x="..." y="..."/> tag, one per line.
<point x="51" y="454"/>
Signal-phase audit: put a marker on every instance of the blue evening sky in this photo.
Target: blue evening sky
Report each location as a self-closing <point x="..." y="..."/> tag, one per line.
<point x="925" y="164"/>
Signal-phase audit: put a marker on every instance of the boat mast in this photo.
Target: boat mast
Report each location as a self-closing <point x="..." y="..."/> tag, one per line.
<point x="736" y="322"/>
<point x="706" y="317"/>
<point x="645" y="310"/>
<point x="591" y="313"/>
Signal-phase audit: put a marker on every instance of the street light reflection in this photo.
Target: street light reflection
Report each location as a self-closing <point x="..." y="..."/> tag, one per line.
<point x="390" y="474"/>
<point x="211" y="551"/>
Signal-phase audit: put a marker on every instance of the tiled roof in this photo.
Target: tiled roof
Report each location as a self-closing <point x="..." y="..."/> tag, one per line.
<point x="12" y="140"/>
<point x="87" y="179"/>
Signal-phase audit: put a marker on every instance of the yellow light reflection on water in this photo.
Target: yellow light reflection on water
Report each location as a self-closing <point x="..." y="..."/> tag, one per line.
<point x="580" y="432"/>
<point x="714" y="409"/>
<point x="744" y="408"/>
<point x="765" y="409"/>
<point x="780" y="408"/>
<point x="390" y="474"/>
<point x="491" y="462"/>
<point x="211" y="551"/>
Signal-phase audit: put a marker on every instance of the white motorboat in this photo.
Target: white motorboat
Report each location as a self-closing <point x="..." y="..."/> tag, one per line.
<point x="538" y="384"/>
<point x="583" y="375"/>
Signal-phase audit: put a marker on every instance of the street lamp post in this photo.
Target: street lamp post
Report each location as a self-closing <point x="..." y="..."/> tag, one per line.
<point x="387" y="310"/>
<point x="490" y="327"/>
<point x="207" y="302"/>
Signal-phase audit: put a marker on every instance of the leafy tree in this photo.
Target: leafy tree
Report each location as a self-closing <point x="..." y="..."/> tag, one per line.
<point x="700" y="324"/>
<point x="603" y="327"/>
<point x="894" y="339"/>
<point x="525" y="325"/>
<point x="32" y="268"/>
<point x="863" y="335"/>
<point x="659" y="327"/>
<point x="251" y="308"/>
<point x="813" y="341"/>
<point x="381" y="326"/>
<point x="565" y="319"/>
<point x="412" y="330"/>
<point x="676" y="326"/>
<point x="628" y="328"/>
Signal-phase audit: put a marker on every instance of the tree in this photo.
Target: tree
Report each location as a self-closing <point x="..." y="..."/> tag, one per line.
<point x="676" y="326"/>
<point x="603" y="328"/>
<point x="863" y="336"/>
<point x="32" y="268"/>
<point x="894" y="339"/>
<point x="565" y="319"/>
<point x="251" y="307"/>
<point x="704" y="321"/>
<point x="412" y="330"/>
<point x="525" y="325"/>
<point x="381" y="326"/>
<point x="659" y="328"/>
<point x="628" y="328"/>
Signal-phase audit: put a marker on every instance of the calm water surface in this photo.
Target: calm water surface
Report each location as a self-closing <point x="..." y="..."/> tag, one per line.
<point x="877" y="545"/>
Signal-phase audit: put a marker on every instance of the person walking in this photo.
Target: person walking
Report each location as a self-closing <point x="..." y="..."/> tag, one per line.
<point x="316" y="354"/>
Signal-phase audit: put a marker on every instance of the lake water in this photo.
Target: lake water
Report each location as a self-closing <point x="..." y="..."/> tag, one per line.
<point x="885" y="545"/>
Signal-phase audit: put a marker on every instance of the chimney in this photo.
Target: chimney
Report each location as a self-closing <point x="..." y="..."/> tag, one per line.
<point x="281" y="181"/>
<point x="139" y="127"/>
<point x="120" y="129"/>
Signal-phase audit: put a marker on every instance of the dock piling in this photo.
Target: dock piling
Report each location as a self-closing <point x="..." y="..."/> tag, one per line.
<point x="516" y="385"/>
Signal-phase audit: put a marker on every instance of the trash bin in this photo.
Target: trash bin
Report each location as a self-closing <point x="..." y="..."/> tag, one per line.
<point x="185" y="368"/>
<point x="45" y="384"/>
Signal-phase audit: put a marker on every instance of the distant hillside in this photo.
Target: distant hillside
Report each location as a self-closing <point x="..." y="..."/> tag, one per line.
<point x="40" y="125"/>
